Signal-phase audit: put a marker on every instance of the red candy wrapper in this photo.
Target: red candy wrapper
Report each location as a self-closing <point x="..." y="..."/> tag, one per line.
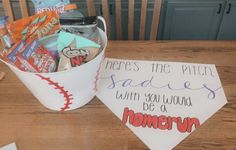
<point x="37" y="57"/>
<point x="11" y="58"/>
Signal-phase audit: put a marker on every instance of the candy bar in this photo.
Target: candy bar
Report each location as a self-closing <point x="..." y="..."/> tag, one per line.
<point x="12" y="59"/>
<point x="38" y="57"/>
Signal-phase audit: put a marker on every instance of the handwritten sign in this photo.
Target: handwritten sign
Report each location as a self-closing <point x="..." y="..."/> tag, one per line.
<point x="161" y="102"/>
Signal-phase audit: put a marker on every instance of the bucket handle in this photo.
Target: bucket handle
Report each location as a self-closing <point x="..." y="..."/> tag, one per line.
<point x="103" y="22"/>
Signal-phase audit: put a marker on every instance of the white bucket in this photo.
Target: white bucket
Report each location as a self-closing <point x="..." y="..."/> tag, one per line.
<point x="65" y="90"/>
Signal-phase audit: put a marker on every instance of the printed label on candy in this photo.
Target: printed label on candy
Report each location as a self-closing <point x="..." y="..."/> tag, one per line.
<point x="58" y="9"/>
<point x="14" y="50"/>
<point x="73" y="52"/>
<point x="50" y="5"/>
<point x="30" y="49"/>
<point x="37" y="57"/>
<point x="76" y="56"/>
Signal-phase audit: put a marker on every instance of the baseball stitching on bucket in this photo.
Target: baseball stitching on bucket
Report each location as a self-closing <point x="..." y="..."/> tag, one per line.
<point x="66" y="94"/>
<point x="97" y="76"/>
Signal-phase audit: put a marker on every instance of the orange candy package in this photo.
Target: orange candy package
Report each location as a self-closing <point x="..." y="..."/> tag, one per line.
<point x="34" y="27"/>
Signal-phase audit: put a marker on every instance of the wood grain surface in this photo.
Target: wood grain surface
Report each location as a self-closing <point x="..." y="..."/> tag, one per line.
<point x="118" y="19"/>
<point x="131" y="20"/>
<point x="91" y="7"/>
<point x="25" y="121"/>
<point x="7" y="7"/>
<point x="155" y="19"/>
<point x="24" y="8"/>
<point x="106" y="15"/>
<point x="143" y="19"/>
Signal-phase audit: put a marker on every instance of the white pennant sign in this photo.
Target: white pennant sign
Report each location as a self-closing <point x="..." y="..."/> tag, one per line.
<point x="161" y="102"/>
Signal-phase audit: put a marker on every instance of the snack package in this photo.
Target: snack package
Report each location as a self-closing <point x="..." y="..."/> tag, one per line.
<point x="71" y="57"/>
<point x="75" y="50"/>
<point x="37" y="57"/>
<point x="50" y="43"/>
<point x="59" y="6"/>
<point x="34" y="27"/>
<point x="11" y="58"/>
<point x="14" y="50"/>
<point x="85" y="27"/>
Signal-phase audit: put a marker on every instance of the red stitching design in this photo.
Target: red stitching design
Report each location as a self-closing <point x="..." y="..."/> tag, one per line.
<point x="68" y="97"/>
<point x="97" y="75"/>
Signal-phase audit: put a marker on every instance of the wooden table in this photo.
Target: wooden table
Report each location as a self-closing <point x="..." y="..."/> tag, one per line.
<point x="24" y="120"/>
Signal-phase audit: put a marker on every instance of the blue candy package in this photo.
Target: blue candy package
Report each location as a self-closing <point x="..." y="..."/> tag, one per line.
<point x="60" y="6"/>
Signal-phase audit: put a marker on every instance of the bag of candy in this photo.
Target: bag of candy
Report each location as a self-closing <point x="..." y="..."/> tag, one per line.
<point x="75" y="50"/>
<point x="34" y="27"/>
<point x="11" y="58"/>
<point x="50" y="5"/>
<point x="37" y="57"/>
<point x="86" y="27"/>
<point x="63" y="7"/>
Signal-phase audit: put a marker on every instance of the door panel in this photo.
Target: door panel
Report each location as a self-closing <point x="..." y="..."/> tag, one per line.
<point x="194" y="20"/>
<point x="228" y="27"/>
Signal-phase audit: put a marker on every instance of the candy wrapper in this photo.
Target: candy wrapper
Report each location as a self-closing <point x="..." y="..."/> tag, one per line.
<point x="37" y="58"/>
<point x="10" y="56"/>
<point x="34" y="27"/>
<point x="75" y="50"/>
<point x="59" y="6"/>
<point x="30" y="57"/>
<point x="85" y="27"/>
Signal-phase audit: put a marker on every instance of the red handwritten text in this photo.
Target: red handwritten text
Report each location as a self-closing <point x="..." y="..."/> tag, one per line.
<point x="159" y="122"/>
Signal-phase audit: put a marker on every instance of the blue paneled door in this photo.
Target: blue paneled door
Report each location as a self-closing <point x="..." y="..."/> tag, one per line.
<point x="228" y="26"/>
<point x="192" y="19"/>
